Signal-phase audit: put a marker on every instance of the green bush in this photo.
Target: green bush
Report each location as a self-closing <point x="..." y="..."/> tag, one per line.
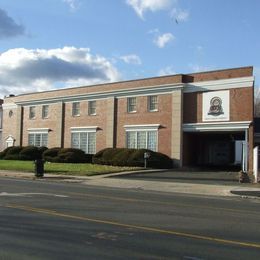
<point x="71" y="155"/>
<point x="132" y="157"/>
<point x="13" y="153"/>
<point x="66" y="155"/>
<point x="4" y="152"/>
<point x="29" y="153"/>
<point x="51" y="155"/>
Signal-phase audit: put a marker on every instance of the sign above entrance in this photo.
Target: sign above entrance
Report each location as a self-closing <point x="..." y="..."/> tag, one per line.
<point x="215" y="106"/>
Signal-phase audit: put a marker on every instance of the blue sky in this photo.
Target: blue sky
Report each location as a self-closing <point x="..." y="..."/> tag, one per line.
<point x="50" y="44"/>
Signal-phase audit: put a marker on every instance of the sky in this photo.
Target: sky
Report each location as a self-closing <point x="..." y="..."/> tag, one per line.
<point x="51" y="44"/>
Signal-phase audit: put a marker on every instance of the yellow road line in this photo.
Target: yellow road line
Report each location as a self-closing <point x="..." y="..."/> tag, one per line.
<point x="159" y="202"/>
<point x="138" y="227"/>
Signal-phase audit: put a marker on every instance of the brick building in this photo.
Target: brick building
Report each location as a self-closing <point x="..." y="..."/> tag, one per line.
<point x="196" y="119"/>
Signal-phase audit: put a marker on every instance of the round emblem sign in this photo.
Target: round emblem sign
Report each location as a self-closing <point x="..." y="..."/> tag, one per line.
<point x="11" y="113"/>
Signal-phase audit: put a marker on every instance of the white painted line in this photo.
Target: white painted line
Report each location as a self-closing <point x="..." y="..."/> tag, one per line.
<point x="6" y="194"/>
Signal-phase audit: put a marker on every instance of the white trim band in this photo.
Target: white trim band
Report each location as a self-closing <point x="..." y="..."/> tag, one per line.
<point x="6" y="106"/>
<point x="38" y="130"/>
<point x="150" y="127"/>
<point x="81" y="129"/>
<point x="219" y="126"/>
<point x="219" y="84"/>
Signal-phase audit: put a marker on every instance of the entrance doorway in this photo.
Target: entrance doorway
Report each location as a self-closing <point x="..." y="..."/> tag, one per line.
<point x="212" y="149"/>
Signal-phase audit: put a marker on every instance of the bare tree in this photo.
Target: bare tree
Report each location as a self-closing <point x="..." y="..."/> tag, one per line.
<point x="257" y="101"/>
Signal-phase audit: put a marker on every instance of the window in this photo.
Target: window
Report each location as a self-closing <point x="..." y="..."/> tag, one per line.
<point x="86" y="141"/>
<point x="131" y="104"/>
<point x="84" y="138"/>
<point x="152" y="103"/>
<point x="45" y="111"/>
<point x="38" y="139"/>
<point x="142" y="140"/>
<point x="31" y="112"/>
<point x="142" y="136"/>
<point x="92" y="107"/>
<point x="75" y="108"/>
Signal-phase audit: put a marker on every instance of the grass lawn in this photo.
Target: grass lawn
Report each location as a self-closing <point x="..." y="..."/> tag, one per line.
<point x="81" y="169"/>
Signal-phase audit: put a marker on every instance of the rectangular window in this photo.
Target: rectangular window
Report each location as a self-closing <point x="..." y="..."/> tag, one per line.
<point x="75" y="108"/>
<point x="86" y="141"/>
<point x="38" y="139"/>
<point x="32" y="112"/>
<point x="142" y="140"/>
<point x="45" y="111"/>
<point x="130" y="139"/>
<point x="152" y="103"/>
<point x="92" y="108"/>
<point x="131" y="104"/>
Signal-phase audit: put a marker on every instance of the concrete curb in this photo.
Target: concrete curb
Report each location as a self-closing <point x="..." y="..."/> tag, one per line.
<point x="104" y="180"/>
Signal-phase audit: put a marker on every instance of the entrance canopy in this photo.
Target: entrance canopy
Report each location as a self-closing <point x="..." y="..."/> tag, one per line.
<point x="216" y="126"/>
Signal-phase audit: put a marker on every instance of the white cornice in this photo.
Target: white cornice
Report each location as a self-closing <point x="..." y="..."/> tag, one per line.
<point x="9" y="106"/>
<point x="143" y="91"/>
<point x="219" y="84"/>
<point x="216" y="126"/>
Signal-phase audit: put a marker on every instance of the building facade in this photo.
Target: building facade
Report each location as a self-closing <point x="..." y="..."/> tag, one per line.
<point x="196" y="119"/>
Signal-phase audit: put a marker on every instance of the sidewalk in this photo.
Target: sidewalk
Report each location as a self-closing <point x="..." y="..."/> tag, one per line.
<point x="159" y="186"/>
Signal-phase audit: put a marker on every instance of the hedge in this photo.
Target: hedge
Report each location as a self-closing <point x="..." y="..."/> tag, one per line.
<point x="22" y="153"/>
<point x="132" y="157"/>
<point x="31" y="153"/>
<point x="66" y="155"/>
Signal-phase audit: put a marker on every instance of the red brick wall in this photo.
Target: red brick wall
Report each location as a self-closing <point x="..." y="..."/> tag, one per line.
<point x="192" y="103"/>
<point x="50" y="122"/>
<point x="84" y="119"/>
<point x="163" y="117"/>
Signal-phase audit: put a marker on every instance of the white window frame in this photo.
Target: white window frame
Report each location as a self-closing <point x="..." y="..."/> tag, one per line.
<point x="87" y="130"/>
<point x="150" y="103"/>
<point x="41" y="132"/>
<point x="44" y="114"/>
<point x="32" y="112"/>
<point x="143" y="128"/>
<point x="92" y="105"/>
<point x="76" y="108"/>
<point x="129" y="105"/>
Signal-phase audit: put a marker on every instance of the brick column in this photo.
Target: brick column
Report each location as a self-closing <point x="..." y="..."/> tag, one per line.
<point x="60" y="124"/>
<point x="19" y="127"/>
<point x="176" y="137"/>
<point x="110" y="124"/>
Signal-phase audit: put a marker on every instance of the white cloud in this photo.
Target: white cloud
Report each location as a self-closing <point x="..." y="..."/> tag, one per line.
<point x="24" y="70"/>
<point x="180" y="15"/>
<point x="163" y="39"/>
<point x="166" y="71"/>
<point x="131" y="59"/>
<point x="141" y="6"/>
<point x="73" y="4"/>
<point x="8" y="27"/>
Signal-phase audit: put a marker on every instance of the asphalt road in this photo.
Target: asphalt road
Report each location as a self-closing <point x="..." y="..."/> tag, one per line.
<point x="51" y="220"/>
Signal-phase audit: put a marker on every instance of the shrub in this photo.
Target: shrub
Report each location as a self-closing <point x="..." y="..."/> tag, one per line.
<point x="71" y="155"/>
<point x="13" y="153"/>
<point x="4" y="152"/>
<point x="131" y="157"/>
<point x="66" y="155"/>
<point x="22" y="153"/>
<point x="51" y="155"/>
<point x="29" y="153"/>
